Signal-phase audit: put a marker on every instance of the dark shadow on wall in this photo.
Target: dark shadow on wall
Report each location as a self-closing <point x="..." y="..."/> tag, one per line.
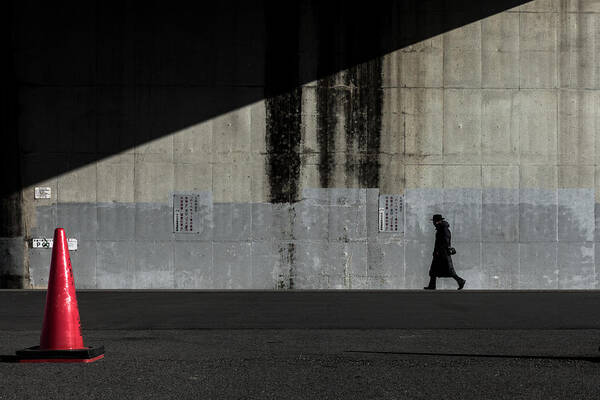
<point x="91" y="79"/>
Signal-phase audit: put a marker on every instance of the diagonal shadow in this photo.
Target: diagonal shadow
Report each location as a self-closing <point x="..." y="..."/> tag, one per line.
<point x="594" y="359"/>
<point x="92" y="79"/>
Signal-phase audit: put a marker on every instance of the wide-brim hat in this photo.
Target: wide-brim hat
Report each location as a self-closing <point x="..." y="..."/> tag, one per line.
<point x="437" y="217"/>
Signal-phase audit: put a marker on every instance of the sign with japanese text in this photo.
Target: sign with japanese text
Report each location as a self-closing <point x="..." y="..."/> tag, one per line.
<point x="390" y="212"/>
<point x="42" y="193"/>
<point x="185" y="213"/>
<point x="44" y="243"/>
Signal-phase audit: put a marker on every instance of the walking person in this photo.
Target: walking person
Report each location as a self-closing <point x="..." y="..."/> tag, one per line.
<point x="441" y="265"/>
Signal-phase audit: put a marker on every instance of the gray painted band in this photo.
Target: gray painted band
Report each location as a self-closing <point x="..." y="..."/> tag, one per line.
<point x="506" y="239"/>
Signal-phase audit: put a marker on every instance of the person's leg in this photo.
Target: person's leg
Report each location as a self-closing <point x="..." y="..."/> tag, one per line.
<point x="460" y="281"/>
<point x="431" y="282"/>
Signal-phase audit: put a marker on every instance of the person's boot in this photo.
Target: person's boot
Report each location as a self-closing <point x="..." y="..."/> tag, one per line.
<point x="431" y="285"/>
<point x="461" y="283"/>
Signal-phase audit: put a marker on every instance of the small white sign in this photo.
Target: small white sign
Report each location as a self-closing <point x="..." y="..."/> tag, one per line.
<point x="42" y="192"/>
<point x="43" y="243"/>
<point x="185" y="213"/>
<point x="390" y="212"/>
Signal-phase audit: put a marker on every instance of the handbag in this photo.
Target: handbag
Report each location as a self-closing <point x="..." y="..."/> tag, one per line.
<point x="451" y="251"/>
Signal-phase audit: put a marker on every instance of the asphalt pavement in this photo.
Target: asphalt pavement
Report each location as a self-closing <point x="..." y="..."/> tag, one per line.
<point x="315" y="364"/>
<point x="314" y="345"/>
<point x="313" y="309"/>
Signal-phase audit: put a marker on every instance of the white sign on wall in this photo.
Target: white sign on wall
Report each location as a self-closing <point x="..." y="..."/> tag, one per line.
<point x="390" y="212"/>
<point x="44" y="243"/>
<point x="42" y="192"/>
<point x="185" y="213"/>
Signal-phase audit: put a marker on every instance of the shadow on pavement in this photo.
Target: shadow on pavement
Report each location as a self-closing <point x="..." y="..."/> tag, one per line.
<point x="13" y="358"/>
<point x="530" y="357"/>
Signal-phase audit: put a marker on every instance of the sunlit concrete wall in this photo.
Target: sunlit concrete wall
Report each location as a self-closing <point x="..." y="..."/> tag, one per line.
<point x="493" y="124"/>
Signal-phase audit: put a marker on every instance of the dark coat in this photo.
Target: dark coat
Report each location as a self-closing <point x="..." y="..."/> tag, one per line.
<point x="442" y="266"/>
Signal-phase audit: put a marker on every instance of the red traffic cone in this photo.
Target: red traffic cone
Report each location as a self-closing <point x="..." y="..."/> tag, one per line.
<point x="61" y="339"/>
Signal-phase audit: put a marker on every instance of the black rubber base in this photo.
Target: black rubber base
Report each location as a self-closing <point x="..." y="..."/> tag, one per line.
<point x="35" y="353"/>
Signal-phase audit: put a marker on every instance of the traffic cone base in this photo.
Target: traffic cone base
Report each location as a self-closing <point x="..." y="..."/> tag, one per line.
<point x="36" y="355"/>
<point x="57" y="360"/>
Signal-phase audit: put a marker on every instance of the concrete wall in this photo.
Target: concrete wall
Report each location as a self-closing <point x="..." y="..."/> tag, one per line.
<point x="493" y="124"/>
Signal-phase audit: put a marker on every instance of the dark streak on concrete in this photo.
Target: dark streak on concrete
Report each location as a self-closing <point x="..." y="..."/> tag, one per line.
<point x="283" y="107"/>
<point x="363" y="127"/>
<point x="326" y="125"/>
<point x="363" y="130"/>
<point x="281" y="279"/>
<point x="359" y="99"/>
<point x="330" y="25"/>
<point x="292" y="261"/>
<point x="291" y="248"/>
<point x="283" y="133"/>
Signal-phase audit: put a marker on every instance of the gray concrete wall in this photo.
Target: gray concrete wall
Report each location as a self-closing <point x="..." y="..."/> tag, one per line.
<point x="493" y="124"/>
<point x="506" y="239"/>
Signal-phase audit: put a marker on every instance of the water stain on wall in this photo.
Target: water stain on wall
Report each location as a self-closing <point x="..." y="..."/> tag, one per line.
<point x="283" y="102"/>
<point x="326" y="124"/>
<point x="353" y="96"/>
<point x="292" y="262"/>
<point x="328" y="59"/>
<point x="283" y="138"/>
<point x="363" y="129"/>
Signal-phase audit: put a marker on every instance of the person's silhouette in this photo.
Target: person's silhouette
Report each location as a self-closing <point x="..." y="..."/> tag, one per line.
<point x="441" y="265"/>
